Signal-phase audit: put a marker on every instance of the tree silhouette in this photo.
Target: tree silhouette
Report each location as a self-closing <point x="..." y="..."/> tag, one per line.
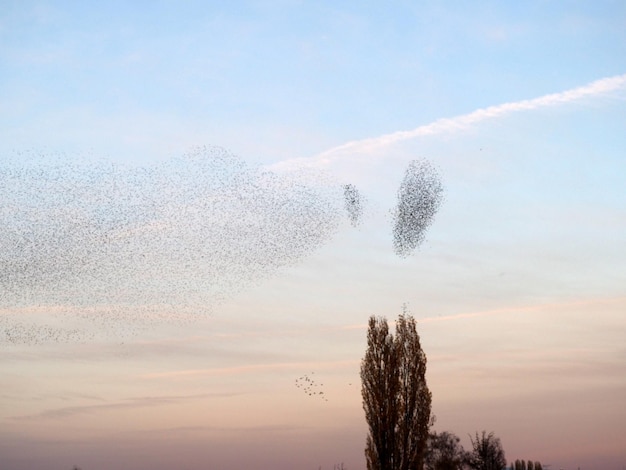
<point x="526" y="465"/>
<point x="444" y="452"/>
<point x="396" y="398"/>
<point x="487" y="453"/>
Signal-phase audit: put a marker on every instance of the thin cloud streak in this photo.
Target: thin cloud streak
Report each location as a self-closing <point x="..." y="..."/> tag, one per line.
<point x="459" y="123"/>
<point x="529" y="308"/>
<point x="140" y="402"/>
<point x="502" y="311"/>
<point x="249" y="368"/>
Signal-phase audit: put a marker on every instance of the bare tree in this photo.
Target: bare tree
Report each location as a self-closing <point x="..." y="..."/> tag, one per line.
<point x="487" y="453"/>
<point x="396" y="398"/>
<point x="444" y="452"/>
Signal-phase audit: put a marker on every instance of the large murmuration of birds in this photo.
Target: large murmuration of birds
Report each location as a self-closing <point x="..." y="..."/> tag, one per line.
<point x="419" y="197"/>
<point x="94" y="250"/>
<point x="117" y="245"/>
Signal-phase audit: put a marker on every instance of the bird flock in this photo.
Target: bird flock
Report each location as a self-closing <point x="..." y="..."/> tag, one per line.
<point x="354" y="206"/>
<point x="419" y="198"/>
<point x="110" y="249"/>
<point x="310" y="387"/>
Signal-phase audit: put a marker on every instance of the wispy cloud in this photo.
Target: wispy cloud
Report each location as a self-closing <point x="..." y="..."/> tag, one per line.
<point x="251" y="368"/>
<point x="503" y="311"/>
<point x="462" y="122"/>
<point x="139" y="402"/>
<point x="525" y="309"/>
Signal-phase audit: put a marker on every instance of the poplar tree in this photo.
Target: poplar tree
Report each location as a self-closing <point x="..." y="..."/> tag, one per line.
<point x="396" y="398"/>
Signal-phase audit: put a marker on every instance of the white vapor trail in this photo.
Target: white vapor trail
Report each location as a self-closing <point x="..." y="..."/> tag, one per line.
<point x="444" y="125"/>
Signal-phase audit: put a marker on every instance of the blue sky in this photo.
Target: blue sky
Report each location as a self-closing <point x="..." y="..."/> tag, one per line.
<point x="518" y="288"/>
<point x="273" y="79"/>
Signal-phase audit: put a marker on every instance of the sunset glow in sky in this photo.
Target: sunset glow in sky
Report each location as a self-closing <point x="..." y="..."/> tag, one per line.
<point x="519" y="288"/>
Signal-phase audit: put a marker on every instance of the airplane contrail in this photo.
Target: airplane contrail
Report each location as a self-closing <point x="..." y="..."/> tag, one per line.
<point x="456" y="123"/>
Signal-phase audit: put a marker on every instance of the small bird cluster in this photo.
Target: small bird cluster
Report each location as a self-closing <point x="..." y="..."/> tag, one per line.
<point x="18" y="332"/>
<point x="419" y="198"/>
<point x="354" y="206"/>
<point x="310" y="387"/>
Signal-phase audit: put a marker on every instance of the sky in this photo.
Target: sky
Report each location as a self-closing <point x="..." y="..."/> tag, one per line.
<point x="183" y="341"/>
